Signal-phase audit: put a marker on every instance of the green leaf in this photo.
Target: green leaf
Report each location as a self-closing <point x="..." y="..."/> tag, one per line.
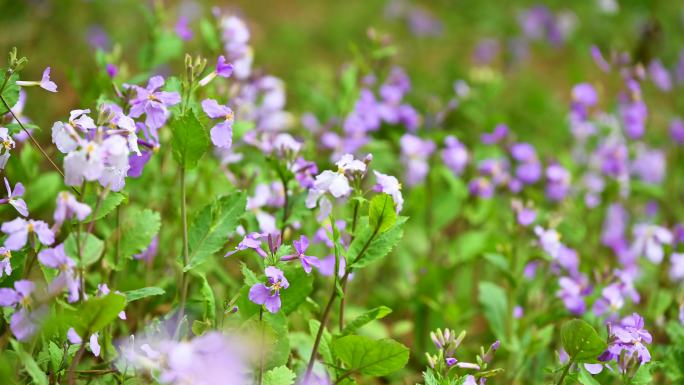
<point x="585" y="378"/>
<point x="210" y="35"/>
<point x="189" y="141"/>
<point x="295" y="294"/>
<point x="280" y="375"/>
<point x="371" y="315"/>
<point x="107" y="205"/>
<point x="32" y="368"/>
<point x="370" y="357"/>
<point x="137" y="231"/>
<point x="11" y="91"/>
<point x="209" y="300"/>
<point x="581" y="341"/>
<point x="495" y="303"/>
<point x="212" y="225"/>
<point x="98" y="312"/>
<point x="90" y="245"/>
<point x="381" y="213"/>
<point x="368" y="247"/>
<point x="134" y="295"/>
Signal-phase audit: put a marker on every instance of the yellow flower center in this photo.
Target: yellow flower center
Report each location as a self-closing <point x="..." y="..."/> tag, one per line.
<point x="7" y="144"/>
<point x="30" y="227"/>
<point x="230" y="116"/>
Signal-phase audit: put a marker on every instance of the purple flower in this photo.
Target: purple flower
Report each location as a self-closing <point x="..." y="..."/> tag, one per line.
<point x="112" y="70"/>
<point x="223" y="69"/>
<point x="455" y="155"/>
<point x="19" y="229"/>
<point x="250" y="241"/>
<point x="529" y="169"/>
<point x="75" y="339"/>
<point x="676" y="270"/>
<point x="572" y="291"/>
<point x="500" y="133"/>
<point x="68" y="208"/>
<point x="557" y="182"/>
<point x="481" y="187"/>
<point x="677" y="130"/>
<point x="486" y="50"/>
<point x="614" y="225"/>
<point x="660" y="76"/>
<point x="153" y="103"/>
<point x="525" y="216"/>
<point x="150" y="252"/>
<point x="307" y="261"/>
<point x="45" y="83"/>
<point x="221" y="133"/>
<point x="183" y="29"/>
<point x="649" y="165"/>
<point x="6" y="144"/>
<point x="269" y="295"/>
<point x="599" y="59"/>
<point x="611" y="300"/>
<point x="65" y="136"/>
<point x="627" y="344"/>
<point x="56" y="258"/>
<point x="335" y="183"/>
<point x="649" y="240"/>
<point x="24" y="321"/>
<point x="414" y="155"/>
<point x="13" y="198"/>
<point x="633" y="111"/>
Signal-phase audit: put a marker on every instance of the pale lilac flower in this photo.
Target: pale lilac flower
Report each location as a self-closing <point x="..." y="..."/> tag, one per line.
<point x="557" y="182"/>
<point x="150" y="252"/>
<point x="518" y="312"/>
<point x="153" y="103"/>
<point x="614" y="225"/>
<point x="65" y="136"/>
<point x="182" y="28"/>
<point x="19" y="229"/>
<point x="549" y="240"/>
<point x="24" y="322"/>
<point x="223" y="69"/>
<point x="86" y="163"/>
<point x="6" y="144"/>
<point x="222" y="132"/>
<point x="5" y="263"/>
<point x="599" y="59"/>
<point x="390" y="185"/>
<point x="56" y="258"/>
<point x="627" y="344"/>
<point x="633" y="111"/>
<point x="74" y="338"/>
<point x="677" y="267"/>
<point x="525" y="215"/>
<point x="269" y="295"/>
<point x="45" y="83"/>
<point x="13" y="198"/>
<point x="572" y="292"/>
<point x="481" y="187"/>
<point x="649" y="240"/>
<point x="307" y="261"/>
<point x="649" y="165"/>
<point x="611" y="300"/>
<point x="335" y="183"/>
<point x="68" y="208"/>
<point x="114" y="152"/>
<point x="455" y="155"/>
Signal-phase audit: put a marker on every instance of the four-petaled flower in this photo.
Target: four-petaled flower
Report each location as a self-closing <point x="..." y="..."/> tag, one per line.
<point x="19" y="230"/>
<point x="222" y="132"/>
<point x="13" y="198"/>
<point x="153" y="103"/>
<point x="307" y="261"/>
<point x="269" y="296"/>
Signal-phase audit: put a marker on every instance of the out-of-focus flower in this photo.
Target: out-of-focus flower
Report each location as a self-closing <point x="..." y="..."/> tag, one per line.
<point x="414" y="155"/>
<point x="19" y="229"/>
<point x="455" y="155"/>
<point x="390" y="185"/>
<point x="68" y="208"/>
<point x="25" y="320"/>
<point x="649" y="240"/>
<point x="56" y="258"/>
<point x="660" y="75"/>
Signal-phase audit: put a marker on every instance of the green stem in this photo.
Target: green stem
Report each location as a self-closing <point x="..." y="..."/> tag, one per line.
<point x="565" y="373"/>
<point x="186" y="251"/>
<point x="261" y="347"/>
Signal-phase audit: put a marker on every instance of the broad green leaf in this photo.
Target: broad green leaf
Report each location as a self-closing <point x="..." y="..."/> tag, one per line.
<point x="300" y="288"/>
<point x="134" y="295"/>
<point x="91" y="248"/>
<point x="495" y="303"/>
<point x="137" y="231"/>
<point x="208" y="232"/>
<point x="370" y="357"/>
<point x="581" y="341"/>
<point x="381" y="213"/>
<point x="280" y="375"/>
<point x="11" y="91"/>
<point x="189" y="141"/>
<point x="368" y="247"/>
<point x="107" y="205"/>
<point x="98" y="312"/>
<point x="371" y="315"/>
<point x="43" y="189"/>
<point x="32" y="368"/>
<point x="210" y="34"/>
<point x="585" y="378"/>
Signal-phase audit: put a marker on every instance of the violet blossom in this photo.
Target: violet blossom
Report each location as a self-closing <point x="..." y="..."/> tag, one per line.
<point x="649" y="240"/>
<point x="19" y="229"/>
<point x="13" y="198"/>
<point x="25" y="320"/>
<point x="455" y="155"/>
<point x="44" y="83"/>
<point x="222" y="132"/>
<point x="56" y="258"/>
<point x="6" y="145"/>
<point x="269" y="296"/>
<point x="68" y="208"/>
<point x="153" y="103"/>
<point x="300" y="247"/>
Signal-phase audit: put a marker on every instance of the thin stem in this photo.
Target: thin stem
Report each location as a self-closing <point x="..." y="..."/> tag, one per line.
<point x="261" y="347"/>
<point x="344" y="280"/>
<point x="71" y="377"/>
<point x="35" y="142"/>
<point x="285" y="207"/>
<point x="319" y="334"/>
<point x="565" y="373"/>
<point x="186" y="251"/>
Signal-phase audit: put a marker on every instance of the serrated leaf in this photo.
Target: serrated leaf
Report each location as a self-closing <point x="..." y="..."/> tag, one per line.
<point x="368" y="246"/>
<point x="107" y="205"/>
<point x="11" y="91"/>
<point x="581" y="341"/>
<point x="371" y="315"/>
<point x="134" y="295"/>
<point x="495" y="303"/>
<point x="189" y="141"/>
<point x="370" y="357"/>
<point x="208" y="232"/>
<point x="137" y="231"/>
<point x="30" y="365"/>
<point x="98" y="312"/>
<point x="381" y="213"/>
<point x="280" y="375"/>
<point x="90" y="245"/>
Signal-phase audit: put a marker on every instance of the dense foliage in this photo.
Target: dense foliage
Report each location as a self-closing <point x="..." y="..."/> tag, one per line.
<point x="188" y="204"/>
